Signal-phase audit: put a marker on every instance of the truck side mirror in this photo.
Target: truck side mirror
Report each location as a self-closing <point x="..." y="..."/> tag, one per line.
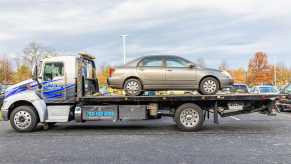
<point x="34" y="73"/>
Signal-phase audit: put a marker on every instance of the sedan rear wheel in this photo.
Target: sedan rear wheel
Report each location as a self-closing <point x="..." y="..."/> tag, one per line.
<point x="132" y="87"/>
<point x="209" y="86"/>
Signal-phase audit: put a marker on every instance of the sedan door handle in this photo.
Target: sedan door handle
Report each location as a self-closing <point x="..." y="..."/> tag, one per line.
<point x="169" y="70"/>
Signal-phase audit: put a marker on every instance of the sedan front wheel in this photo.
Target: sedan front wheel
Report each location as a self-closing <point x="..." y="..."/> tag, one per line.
<point x="209" y="86"/>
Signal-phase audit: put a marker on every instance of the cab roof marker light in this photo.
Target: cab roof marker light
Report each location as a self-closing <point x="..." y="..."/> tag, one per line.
<point x="86" y="55"/>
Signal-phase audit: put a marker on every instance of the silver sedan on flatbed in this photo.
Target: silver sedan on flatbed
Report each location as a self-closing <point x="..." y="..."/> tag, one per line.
<point x="163" y="72"/>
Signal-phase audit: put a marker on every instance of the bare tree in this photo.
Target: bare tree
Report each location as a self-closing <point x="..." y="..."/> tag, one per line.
<point x="34" y="52"/>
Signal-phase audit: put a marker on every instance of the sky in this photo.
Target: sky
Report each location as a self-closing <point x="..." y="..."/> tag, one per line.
<point x="214" y="31"/>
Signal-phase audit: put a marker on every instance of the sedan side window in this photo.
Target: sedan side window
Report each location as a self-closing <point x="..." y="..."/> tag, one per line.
<point x="176" y="63"/>
<point x="152" y="62"/>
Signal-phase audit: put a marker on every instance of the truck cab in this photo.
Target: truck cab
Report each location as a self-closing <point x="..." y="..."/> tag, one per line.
<point x="62" y="79"/>
<point x="57" y="83"/>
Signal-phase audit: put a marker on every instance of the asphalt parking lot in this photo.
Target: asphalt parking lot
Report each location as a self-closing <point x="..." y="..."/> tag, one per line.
<point x="252" y="138"/>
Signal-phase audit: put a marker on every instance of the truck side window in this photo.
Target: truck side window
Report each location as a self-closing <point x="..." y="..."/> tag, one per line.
<point x="52" y="70"/>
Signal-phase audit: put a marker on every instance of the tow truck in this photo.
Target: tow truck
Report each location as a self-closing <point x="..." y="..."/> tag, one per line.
<point x="64" y="88"/>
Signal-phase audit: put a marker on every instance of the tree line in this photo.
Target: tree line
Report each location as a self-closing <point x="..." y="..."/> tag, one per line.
<point x="260" y="71"/>
<point x="24" y="62"/>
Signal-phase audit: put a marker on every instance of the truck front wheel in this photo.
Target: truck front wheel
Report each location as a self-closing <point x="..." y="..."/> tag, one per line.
<point x="189" y="117"/>
<point x="23" y="119"/>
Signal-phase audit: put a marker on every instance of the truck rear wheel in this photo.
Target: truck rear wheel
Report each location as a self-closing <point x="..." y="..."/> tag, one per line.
<point x="23" y="119"/>
<point x="189" y="117"/>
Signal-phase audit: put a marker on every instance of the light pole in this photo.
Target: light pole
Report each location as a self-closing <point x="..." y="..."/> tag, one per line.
<point x="275" y="71"/>
<point x="124" y="47"/>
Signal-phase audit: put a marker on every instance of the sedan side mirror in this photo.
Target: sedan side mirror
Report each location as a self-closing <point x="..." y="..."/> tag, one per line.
<point x="191" y="65"/>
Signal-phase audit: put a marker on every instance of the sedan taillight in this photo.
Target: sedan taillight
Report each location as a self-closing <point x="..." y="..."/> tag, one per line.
<point x="111" y="70"/>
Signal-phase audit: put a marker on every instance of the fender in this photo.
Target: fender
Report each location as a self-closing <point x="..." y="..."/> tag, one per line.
<point x="28" y="96"/>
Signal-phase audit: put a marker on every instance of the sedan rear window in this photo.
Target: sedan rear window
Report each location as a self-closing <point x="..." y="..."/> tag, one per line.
<point x="152" y="62"/>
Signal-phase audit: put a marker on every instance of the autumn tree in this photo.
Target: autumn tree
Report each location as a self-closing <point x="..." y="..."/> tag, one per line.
<point x="23" y="72"/>
<point x="259" y="70"/>
<point x="103" y="74"/>
<point x="6" y="72"/>
<point x="282" y="73"/>
<point x="238" y="75"/>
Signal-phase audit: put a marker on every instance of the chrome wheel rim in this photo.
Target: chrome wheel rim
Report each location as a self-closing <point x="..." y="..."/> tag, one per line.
<point x="22" y="119"/>
<point x="189" y="117"/>
<point x="132" y="87"/>
<point x="209" y="86"/>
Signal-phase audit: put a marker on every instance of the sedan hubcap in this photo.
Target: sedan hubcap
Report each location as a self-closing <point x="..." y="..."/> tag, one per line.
<point x="22" y="119"/>
<point x="209" y="86"/>
<point x="189" y="117"/>
<point x="132" y="87"/>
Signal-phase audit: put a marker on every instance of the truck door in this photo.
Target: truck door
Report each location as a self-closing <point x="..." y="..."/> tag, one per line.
<point x="54" y="83"/>
<point x="89" y="79"/>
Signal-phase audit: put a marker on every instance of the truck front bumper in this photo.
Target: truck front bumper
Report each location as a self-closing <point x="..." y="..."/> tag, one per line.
<point x="4" y="115"/>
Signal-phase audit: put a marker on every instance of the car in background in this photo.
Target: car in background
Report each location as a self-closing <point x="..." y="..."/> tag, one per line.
<point x="239" y="88"/>
<point x="265" y="89"/>
<point x="286" y="89"/>
<point x="162" y="72"/>
<point x="3" y="88"/>
<point x="284" y="103"/>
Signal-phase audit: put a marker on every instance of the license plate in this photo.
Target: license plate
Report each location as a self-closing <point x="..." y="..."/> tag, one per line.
<point x="235" y="106"/>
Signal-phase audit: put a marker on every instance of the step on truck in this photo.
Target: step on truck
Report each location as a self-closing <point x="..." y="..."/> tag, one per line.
<point x="64" y="88"/>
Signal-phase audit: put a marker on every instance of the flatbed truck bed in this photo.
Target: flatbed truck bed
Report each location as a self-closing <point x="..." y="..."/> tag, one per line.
<point x="155" y="107"/>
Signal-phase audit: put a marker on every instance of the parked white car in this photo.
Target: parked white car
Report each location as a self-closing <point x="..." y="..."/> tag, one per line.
<point x="265" y="89"/>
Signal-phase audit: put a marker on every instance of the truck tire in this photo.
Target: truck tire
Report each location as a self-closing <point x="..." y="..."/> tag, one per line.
<point x="209" y="86"/>
<point x="189" y="117"/>
<point x="132" y="87"/>
<point x="23" y="119"/>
